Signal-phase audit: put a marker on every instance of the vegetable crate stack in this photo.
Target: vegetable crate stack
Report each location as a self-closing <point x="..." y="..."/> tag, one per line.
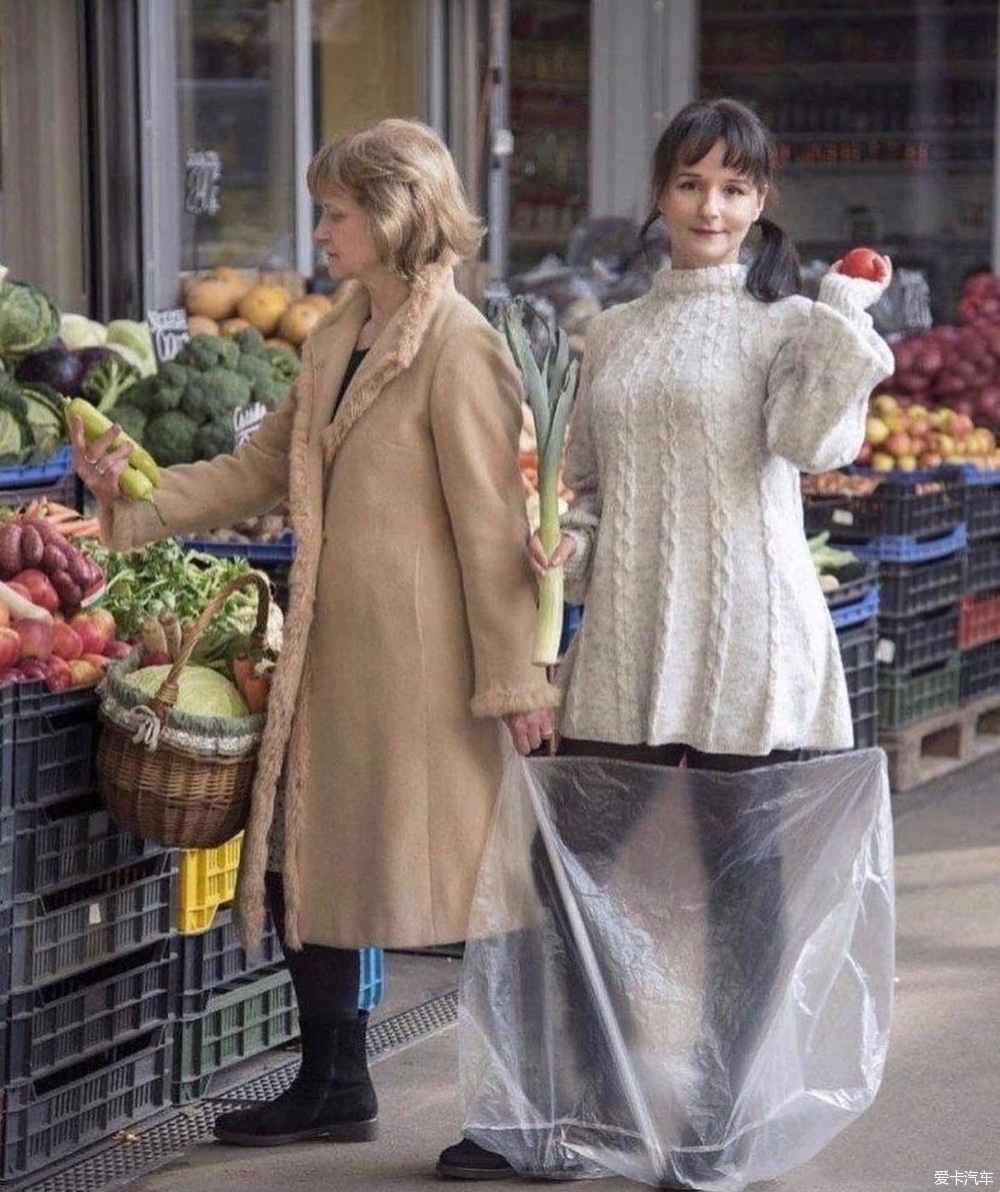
<point x="979" y="613"/>
<point x="854" y="605"/>
<point x="231" y="1006"/>
<point x="85" y="940"/>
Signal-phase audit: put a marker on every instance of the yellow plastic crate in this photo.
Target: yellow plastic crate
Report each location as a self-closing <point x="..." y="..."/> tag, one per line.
<point x="206" y="880"/>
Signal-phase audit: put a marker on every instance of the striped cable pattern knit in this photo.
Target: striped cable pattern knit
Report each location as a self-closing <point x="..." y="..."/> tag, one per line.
<point x="704" y="621"/>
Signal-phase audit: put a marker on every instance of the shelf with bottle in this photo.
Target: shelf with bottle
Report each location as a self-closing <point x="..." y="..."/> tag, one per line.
<point x="889" y="149"/>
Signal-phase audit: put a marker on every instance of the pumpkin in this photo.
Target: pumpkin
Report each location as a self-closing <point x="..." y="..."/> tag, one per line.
<point x="299" y="320"/>
<point x="202" y="325"/>
<point x="233" y="326"/>
<point x="210" y="296"/>
<point x="263" y="305"/>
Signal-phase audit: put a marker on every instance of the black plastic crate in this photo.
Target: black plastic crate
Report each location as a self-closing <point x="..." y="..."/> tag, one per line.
<point x="855" y="581"/>
<point x="980" y="672"/>
<point x="906" y="589"/>
<point x="79" y="927"/>
<point x="216" y="957"/>
<point x="66" y="842"/>
<point x="56" y="1116"/>
<point x="982" y="503"/>
<point x="982" y="565"/>
<point x="54" y="737"/>
<point x="905" y="696"/>
<point x="66" y="1021"/>
<point x="6" y="859"/>
<point x="857" y="653"/>
<point x="917" y="505"/>
<point x="907" y="643"/>
<point x="242" y="1019"/>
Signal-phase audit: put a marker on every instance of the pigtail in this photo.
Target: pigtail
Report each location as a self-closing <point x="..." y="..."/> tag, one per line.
<point x="775" y="271"/>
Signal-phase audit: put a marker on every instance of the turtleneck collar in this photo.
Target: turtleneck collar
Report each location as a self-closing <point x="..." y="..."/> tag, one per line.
<point x="714" y="279"/>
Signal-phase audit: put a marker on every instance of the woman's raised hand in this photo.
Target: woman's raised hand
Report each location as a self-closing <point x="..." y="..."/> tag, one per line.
<point x="541" y="561"/>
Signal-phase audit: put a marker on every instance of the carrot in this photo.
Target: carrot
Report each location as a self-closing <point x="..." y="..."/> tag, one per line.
<point x="253" y="687"/>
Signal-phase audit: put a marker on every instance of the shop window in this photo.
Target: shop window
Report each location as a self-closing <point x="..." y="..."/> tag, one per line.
<point x="885" y="114"/>
<point x="550" y="120"/>
<point x="236" y="124"/>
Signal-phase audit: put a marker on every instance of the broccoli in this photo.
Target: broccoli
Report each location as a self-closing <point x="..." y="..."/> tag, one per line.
<point x="256" y="369"/>
<point x="104" y="382"/>
<point x="156" y="394"/>
<point x="284" y="365"/>
<point x="216" y="392"/>
<point x="203" y="352"/>
<point x="250" y="342"/>
<point x="131" y="419"/>
<point x="215" y="438"/>
<point x="170" y="437"/>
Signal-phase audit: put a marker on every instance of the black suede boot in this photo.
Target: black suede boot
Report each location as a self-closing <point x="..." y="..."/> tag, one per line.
<point x="332" y="1097"/>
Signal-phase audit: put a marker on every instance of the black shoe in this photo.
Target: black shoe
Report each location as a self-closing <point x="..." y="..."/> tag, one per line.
<point x="303" y="1113"/>
<point x="467" y="1160"/>
<point x="332" y="1097"/>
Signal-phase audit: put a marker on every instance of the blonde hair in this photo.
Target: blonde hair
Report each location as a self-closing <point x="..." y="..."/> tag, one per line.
<point x="402" y="174"/>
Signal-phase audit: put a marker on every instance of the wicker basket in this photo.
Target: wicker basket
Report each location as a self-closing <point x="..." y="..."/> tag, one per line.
<point x="180" y="785"/>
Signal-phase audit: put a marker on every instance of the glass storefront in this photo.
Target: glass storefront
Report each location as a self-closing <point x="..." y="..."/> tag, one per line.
<point x="885" y="114"/>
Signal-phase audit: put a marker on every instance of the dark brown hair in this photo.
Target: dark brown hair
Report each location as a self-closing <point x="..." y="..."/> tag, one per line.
<point x="749" y="150"/>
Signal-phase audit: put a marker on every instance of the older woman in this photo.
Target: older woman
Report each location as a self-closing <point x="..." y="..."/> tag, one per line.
<point x="408" y="633"/>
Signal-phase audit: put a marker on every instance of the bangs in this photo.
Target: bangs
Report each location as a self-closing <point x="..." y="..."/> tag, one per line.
<point x="746" y="151"/>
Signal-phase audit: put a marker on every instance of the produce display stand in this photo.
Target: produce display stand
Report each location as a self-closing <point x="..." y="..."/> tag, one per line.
<point x="935" y="537"/>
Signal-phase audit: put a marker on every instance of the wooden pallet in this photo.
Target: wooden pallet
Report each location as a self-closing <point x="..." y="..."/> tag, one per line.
<point x="942" y="743"/>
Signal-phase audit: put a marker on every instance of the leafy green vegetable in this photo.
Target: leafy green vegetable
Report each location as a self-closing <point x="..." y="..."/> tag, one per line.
<point x="137" y="340"/>
<point x="105" y="382"/>
<point x="29" y="320"/>
<point x="201" y="691"/>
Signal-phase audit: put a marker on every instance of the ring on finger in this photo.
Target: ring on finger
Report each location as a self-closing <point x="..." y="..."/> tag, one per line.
<point x="90" y="460"/>
<point x="101" y="469"/>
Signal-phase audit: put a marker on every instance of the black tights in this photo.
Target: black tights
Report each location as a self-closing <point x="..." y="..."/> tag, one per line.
<point x="744" y="918"/>
<point x="327" y="980"/>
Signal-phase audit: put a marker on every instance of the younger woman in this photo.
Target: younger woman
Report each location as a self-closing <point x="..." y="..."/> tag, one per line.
<point x="706" y="637"/>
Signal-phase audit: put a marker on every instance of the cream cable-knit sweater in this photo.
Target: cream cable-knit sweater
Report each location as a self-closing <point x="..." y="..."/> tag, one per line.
<point x="698" y="407"/>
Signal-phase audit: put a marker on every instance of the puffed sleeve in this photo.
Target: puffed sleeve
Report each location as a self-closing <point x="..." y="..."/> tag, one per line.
<point x="476" y="444"/>
<point x="581" y="475"/>
<point x="201" y="496"/>
<point x="822" y="377"/>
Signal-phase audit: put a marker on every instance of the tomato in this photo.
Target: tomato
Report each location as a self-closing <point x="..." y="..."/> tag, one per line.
<point x="862" y="262"/>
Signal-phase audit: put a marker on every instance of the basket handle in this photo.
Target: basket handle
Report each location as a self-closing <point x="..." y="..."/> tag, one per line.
<point x="166" y="697"/>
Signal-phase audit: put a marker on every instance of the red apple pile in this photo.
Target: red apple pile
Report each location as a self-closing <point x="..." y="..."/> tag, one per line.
<point x="912" y="438"/>
<point x="74" y="645"/>
<point x="957" y="367"/>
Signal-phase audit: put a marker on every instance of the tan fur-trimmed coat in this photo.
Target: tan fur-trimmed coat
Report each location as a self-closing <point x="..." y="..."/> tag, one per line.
<point x="409" y="624"/>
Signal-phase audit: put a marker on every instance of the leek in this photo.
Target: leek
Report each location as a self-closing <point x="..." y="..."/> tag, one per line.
<point x="549" y="390"/>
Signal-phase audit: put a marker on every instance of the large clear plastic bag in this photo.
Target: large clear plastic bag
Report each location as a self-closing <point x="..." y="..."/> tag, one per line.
<point x="678" y="975"/>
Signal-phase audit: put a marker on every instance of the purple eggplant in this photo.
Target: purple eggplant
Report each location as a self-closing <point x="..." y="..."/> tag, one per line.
<point x="58" y="367"/>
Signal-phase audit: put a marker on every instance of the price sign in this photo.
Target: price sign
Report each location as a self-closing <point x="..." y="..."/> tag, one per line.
<point x="202" y="182"/>
<point x="246" y="420"/>
<point x="169" y="330"/>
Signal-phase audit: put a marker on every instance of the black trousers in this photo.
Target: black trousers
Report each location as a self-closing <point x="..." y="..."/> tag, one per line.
<point x="745" y="934"/>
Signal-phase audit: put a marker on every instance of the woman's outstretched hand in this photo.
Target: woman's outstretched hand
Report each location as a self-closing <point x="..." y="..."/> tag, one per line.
<point x="100" y="464"/>
<point x="529" y="730"/>
<point x="541" y="562"/>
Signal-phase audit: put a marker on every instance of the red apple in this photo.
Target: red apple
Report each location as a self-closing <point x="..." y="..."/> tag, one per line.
<point x="897" y="444"/>
<point x="104" y="619"/>
<point x="33" y="669"/>
<point x="98" y="660"/>
<point x="66" y="642"/>
<point x="36" y="637"/>
<point x="85" y="674"/>
<point x="59" y="675"/>
<point x="40" y="588"/>
<point x="89" y="631"/>
<point x="862" y="262"/>
<point x="10" y="647"/>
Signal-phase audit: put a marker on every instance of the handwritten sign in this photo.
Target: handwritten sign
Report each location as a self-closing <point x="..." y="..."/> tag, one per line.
<point x="170" y="333"/>
<point x="246" y="420"/>
<point x="202" y="182"/>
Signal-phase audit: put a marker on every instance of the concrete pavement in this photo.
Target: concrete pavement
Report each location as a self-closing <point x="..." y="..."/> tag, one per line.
<point x="936" y="1122"/>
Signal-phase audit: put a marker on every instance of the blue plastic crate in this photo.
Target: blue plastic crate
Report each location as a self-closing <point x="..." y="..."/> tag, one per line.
<point x="857" y="612"/>
<point x="257" y="553"/>
<point x="907" y="549"/>
<point x="982" y="502"/>
<point x="53" y="469"/>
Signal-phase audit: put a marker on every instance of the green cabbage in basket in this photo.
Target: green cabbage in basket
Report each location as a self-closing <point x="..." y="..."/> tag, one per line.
<point x="200" y="690"/>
